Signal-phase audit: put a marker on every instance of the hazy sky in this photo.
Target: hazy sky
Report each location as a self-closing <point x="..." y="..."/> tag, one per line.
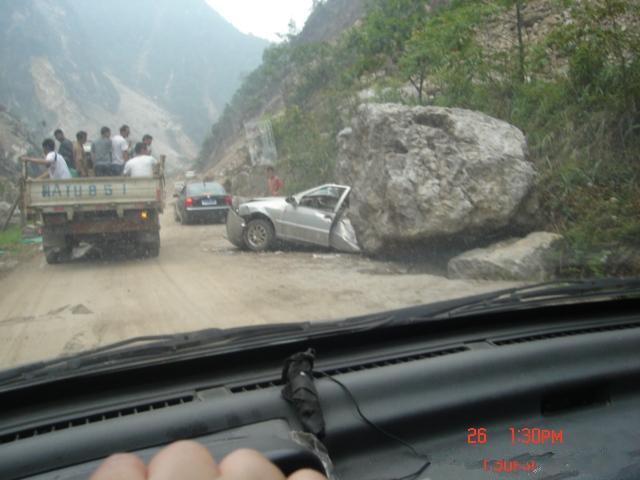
<point x="263" y="18"/>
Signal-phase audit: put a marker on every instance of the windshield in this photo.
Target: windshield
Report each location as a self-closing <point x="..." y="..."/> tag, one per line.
<point x="219" y="163"/>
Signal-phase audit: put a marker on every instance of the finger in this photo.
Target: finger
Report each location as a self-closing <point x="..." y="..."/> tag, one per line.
<point x="183" y="460"/>
<point x="307" y="474"/>
<point x="121" y="467"/>
<point x="249" y="465"/>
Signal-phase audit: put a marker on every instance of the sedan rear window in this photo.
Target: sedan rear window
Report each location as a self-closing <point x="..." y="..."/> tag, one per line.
<point x="208" y="187"/>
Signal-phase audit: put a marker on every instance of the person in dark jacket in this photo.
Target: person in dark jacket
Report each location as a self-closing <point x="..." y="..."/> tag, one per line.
<point x="102" y="155"/>
<point x="66" y="150"/>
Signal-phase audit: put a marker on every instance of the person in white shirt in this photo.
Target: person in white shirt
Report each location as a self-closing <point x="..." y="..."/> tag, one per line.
<point x="142" y="165"/>
<point x="57" y="166"/>
<point x="120" y="148"/>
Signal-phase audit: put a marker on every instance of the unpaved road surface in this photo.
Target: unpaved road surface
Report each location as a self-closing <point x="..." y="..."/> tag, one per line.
<point x="199" y="281"/>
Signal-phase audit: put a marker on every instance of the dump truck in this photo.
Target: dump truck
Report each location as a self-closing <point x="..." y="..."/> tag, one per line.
<point x="96" y="210"/>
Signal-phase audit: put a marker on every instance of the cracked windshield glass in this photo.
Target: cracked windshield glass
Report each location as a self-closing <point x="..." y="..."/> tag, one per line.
<point x="175" y="166"/>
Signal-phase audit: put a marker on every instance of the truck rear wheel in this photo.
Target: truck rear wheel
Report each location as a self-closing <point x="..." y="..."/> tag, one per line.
<point x="149" y="244"/>
<point x="153" y="250"/>
<point x="57" y="248"/>
<point x="52" y="255"/>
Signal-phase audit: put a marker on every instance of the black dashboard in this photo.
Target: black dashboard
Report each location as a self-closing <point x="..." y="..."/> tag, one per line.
<point x="548" y="393"/>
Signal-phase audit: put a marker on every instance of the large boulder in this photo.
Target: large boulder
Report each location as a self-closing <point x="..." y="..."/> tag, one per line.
<point x="421" y="173"/>
<point x="524" y="259"/>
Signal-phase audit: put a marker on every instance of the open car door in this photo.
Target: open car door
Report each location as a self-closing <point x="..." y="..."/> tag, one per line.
<point x="310" y="216"/>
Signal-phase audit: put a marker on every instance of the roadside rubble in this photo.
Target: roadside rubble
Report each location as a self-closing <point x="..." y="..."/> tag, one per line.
<point x="523" y="259"/>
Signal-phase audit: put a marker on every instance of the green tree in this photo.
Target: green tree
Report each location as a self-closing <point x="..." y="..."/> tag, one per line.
<point x="386" y="28"/>
<point x="444" y="49"/>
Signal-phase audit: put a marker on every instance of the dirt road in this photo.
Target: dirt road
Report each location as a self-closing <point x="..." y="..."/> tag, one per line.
<point x="199" y="281"/>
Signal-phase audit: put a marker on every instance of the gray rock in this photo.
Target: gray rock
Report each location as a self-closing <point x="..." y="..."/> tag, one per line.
<point x="524" y="259"/>
<point x="428" y="172"/>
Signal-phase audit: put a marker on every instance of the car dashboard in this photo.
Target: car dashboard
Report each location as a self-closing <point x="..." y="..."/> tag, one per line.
<point x="547" y="393"/>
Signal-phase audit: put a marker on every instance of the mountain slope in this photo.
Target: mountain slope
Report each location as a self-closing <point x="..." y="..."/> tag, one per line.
<point x="31" y="30"/>
<point x="262" y="92"/>
<point x="183" y="54"/>
<point x="164" y="67"/>
<point x="15" y="141"/>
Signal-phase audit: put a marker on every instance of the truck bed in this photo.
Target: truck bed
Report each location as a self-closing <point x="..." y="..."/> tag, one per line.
<point x="94" y="194"/>
<point x="96" y="210"/>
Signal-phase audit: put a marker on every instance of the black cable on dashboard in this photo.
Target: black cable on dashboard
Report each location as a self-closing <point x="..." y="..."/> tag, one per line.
<point x="406" y="444"/>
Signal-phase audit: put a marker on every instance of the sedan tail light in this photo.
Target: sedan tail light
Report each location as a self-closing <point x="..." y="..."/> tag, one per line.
<point x="188" y="202"/>
<point x="228" y="200"/>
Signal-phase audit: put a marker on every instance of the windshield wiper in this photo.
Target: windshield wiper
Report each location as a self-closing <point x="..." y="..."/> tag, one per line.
<point x="526" y="297"/>
<point x="143" y="347"/>
<point x="154" y="348"/>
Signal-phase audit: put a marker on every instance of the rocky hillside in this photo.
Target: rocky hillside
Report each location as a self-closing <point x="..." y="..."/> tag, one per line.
<point x="261" y="95"/>
<point x="182" y="55"/>
<point x="566" y="74"/>
<point x="163" y="67"/>
<point x="15" y="141"/>
<point x="330" y="19"/>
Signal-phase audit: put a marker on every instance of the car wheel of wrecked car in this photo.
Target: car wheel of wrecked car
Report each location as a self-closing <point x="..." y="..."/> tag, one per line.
<point x="184" y="219"/>
<point x="259" y="235"/>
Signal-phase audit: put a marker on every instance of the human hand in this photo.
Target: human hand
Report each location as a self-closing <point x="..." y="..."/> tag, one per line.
<point x="187" y="460"/>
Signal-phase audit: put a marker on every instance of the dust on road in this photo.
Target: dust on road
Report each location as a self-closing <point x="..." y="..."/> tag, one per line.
<point x="199" y="281"/>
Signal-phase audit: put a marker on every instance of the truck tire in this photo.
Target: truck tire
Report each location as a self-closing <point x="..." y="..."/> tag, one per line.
<point x="153" y="250"/>
<point x="259" y="235"/>
<point x="52" y="255"/>
<point x="56" y="248"/>
<point x="149" y="245"/>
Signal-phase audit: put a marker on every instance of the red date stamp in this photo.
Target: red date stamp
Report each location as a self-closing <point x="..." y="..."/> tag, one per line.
<point x="507" y="466"/>
<point x="524" y="436"/>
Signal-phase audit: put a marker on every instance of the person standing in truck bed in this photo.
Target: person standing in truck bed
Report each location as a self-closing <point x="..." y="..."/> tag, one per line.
<point x="57" y="166"/>
<point x="79" y="155"/>
<point x="102" y="154"/>
<point x="142" y="165"/>
<point x="120" y="146"/>
<point x="147" y="139"/>
<point x="66" y="150"/>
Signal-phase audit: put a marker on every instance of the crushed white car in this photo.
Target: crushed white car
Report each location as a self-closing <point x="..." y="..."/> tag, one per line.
<point x="313" y="217"/>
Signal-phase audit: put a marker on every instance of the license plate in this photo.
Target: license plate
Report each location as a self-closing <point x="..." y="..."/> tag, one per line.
<point x="206" y="202"/>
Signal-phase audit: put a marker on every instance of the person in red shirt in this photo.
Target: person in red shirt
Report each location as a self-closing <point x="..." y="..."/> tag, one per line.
<point x="275" y="183"/>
